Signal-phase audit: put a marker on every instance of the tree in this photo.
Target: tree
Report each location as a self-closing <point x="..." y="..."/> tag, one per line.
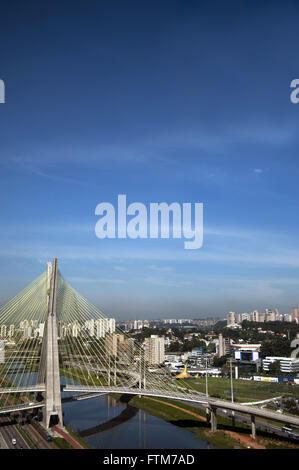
<point x="274" y="368"/>
<point x="276" y="346"/>
<point x="211" y="348"/>
<point x="219" y="361"/>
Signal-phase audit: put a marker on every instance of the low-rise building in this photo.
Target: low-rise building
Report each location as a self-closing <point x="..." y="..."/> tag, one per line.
<point x="247" y="352"/>
<point x="286" y="364"/>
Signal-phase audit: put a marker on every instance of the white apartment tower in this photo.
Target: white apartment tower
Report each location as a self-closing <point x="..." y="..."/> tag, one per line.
<point x="154" y="349"/>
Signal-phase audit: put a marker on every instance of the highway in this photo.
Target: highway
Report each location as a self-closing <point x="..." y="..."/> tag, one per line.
<point x="9" y="432"/>
<point x="261" y="425"/>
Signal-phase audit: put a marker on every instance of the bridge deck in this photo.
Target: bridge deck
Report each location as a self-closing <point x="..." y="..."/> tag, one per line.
<point x="191" y="397"/>
<point x="31" y="388"/>
<point x="25" y="406"/>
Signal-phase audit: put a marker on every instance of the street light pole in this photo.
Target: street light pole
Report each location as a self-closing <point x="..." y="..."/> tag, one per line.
<point x="140" y="372"/>
<point x="231" y="381"/>
<point x="144" y="384"/>
<point x="207" y="394"/>
<point x="232" y="389"/>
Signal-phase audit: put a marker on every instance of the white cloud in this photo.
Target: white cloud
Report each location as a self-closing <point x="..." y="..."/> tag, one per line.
<point x="95" y="279"/>
<point x="119" y="268"/>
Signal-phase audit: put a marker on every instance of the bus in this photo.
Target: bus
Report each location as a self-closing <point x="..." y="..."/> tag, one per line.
<point x="288" y="430"/>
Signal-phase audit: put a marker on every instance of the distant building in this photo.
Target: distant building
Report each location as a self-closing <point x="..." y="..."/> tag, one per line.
<point x="103" y="326"/>
<point x="11" y="331"/>
<point x="154" y="349"/>
<point x="3" y="331"/>
<point x="75" y="330"/>
<point x="197" y="353"/>
<point x="245" y="316"/>
<point x="255" y="316"/>
<point x="41" y="328"/>
<point x="2" y="352"/>
<point x="296" y="314"/>
<point x="224" y="346"/>
<point x="27" y="331"/>
<point x="286" y="364"/>
<point x="139" y="324"/>
<point x="90" y="326"/>
<point x="111" y="345"/>
<point x="117" y="344"/>
<point x="231" y="320"/>
<point x="247" y="352"/>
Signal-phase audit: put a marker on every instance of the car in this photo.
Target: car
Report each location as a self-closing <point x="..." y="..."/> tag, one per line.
<point x="14" y="441"/>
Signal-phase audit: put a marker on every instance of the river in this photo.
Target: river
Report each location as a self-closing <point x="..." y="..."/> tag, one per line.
<point x="105" y="423"/>
<point x="139" y="431"/>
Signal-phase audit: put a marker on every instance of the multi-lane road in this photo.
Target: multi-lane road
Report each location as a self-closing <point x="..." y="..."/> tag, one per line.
<point x="242" y="418"/>
<point x="8" y="431"/>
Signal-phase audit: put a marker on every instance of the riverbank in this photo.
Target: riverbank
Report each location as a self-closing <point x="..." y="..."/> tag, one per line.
<point x="194" y="419"/>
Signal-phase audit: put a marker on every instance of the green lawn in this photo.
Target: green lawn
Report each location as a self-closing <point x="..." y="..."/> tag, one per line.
<point x="244" y="390"/>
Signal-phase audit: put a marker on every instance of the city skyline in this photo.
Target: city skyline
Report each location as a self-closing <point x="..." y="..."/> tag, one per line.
<point x="196" y="110"/>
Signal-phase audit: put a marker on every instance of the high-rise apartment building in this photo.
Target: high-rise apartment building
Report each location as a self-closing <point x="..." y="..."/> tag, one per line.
<point x="115" y="344"/>
<point x="41" y="328"/>
<point x="224" y="348"/>
<point x="231" y="319"/>
<point x="245" y="316"/>
<point x="255" y="316"/>
<point x="11" y="331"/>
<point x="103" y="326"/>
<point x="3" y="331"/>
<point x="2" y="352"/>
<point x="154" y="349"/>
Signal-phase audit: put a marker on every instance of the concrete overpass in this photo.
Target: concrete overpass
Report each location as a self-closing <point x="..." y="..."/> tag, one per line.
<point x="24" y="406"/>
<point x="29" y="389"/>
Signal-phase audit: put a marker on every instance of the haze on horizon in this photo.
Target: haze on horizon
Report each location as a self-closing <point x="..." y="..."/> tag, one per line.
<point x="161" y="101"/>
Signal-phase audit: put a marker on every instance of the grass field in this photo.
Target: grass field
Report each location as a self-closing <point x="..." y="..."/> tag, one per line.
<point x="244" y="390"/>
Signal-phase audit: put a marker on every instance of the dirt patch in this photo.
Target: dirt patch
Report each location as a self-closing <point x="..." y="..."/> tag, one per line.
<point x="278" y="443"/>
<point x="244" y="440"/>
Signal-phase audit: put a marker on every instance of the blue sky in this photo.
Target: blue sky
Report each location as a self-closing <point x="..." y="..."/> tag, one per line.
<point x="162" y="101"/>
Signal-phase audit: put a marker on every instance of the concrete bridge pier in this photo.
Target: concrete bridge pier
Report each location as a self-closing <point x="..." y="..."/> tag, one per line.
<point x="208" y="415"/>
<point x="213" y="419"/>
<point x="253" y="428"/>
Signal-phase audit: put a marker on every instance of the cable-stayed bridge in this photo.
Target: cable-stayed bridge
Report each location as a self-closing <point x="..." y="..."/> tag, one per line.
<point x="57" y="342"/>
